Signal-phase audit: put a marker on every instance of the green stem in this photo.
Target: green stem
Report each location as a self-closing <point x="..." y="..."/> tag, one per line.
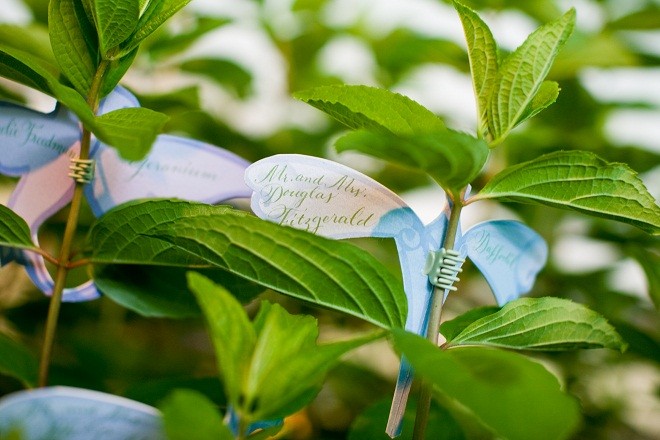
<point x="433" y="328"/>
<point x="67" y="240"/>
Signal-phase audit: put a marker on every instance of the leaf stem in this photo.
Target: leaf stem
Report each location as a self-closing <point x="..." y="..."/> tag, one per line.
<point x="63" y="265"/>
<point x="433" y="328"/>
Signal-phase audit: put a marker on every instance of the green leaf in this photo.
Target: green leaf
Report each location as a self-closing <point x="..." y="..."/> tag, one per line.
<point x="544" y="98"/>
<point x="178" y="43"/>
<point x="516" y="397"/>
<point x="116" y="71"/>
<point x="232" y="333"/>
<point x="450" y="329"/>
<point x="541" y="324"/>
<point x="647" y="18"/>
<point x="294" y="262"/>
<point x="224" y="72"/>
<point x="156" y="291"/>
<point x="17" y="361"/>
<point x="69" y="33"/>
<point x="189" y="414"/>
<point x="115" y="22"/>
<point x="29" y="38"/>
<point x="131" y="131"/>
<point x="482" y="52"/>
<point x="579" y="181"/>
<point x="27" y="69"/>
<point x="148" y="291"/>
<point x="14" y="231"/>
<point x="373" y="109"/>
<point x="522" y="73"/>
<point x="452" y="158"/>
<point x="156" y="13"/>
<point x="650" y="262"/>
<point x="288" y="367"/>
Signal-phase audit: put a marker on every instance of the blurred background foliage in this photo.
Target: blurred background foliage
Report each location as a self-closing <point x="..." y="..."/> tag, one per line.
<point x="224" y="72"/>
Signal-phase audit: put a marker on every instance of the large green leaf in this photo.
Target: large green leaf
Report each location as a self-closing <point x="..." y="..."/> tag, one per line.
<point x="482" y="52"/>
<point x="328" y="273"/>
<point x="156" y="13"/>
<point x="579" y="181"/>
<point x="14" y="231"/>
<point x="373" y="109"/>
<point x="516" y="397"/>
<point x="116" y="71"/>
<point x="115" y="22"/>
<point x="188" y="414"/>
<point x="452" y="158"/>
<point x="541" y="324"/>
<point x="17" y="361"/>
<point x="69" y="33"/>
<point x="450" y="329"/>
<point x="522" y="73"/>
<point x="288" y="366"/>
<point x="131" y="131"/>
<point x="232" y="334"/>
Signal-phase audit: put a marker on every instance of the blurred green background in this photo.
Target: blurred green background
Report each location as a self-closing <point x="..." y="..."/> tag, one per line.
<point x="224" y="72"/>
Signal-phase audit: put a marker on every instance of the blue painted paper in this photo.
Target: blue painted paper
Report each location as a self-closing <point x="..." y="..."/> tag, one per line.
<point x="335" y="201"/>
<point x="65" y="413"/>
<point x="38" y="147"/>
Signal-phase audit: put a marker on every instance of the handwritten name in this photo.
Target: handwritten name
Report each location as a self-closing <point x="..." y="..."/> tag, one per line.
<point x="173" y="168"/>
<point x="495" y="252"/>
<point x="299" y="219"/>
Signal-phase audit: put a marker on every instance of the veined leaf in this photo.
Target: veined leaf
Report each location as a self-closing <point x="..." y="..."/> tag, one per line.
<point x="156" y="13"/>
<point x="189" y="414"/>
<point x="579" y="181"/>
<point x="514" y="396"/>
<point x="69" y="33"/>
<point x="450" y="329"/>
<point x="178" y="43"/>
<point x="541" y="324"/>
<point x="115" y="22"/>
<point x="328" y="273"/>
<point x="452" y="158"/>
<point x="14" y="231"/>
<point x="522" y="73"/>
<point x="232" y="334"/>
<point x="373" y="109"/>
<point x="17" y="361"/>
<point x="131" y="131"/>
<point x="482" y="52"/>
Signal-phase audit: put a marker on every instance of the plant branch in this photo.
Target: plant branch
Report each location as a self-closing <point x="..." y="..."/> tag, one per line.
<point x="433" y="328"/>
<point x="69" y="233"/>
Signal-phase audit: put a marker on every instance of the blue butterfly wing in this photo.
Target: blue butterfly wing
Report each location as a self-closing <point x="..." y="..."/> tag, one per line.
<point x="30" y="139"/>
<point x="175" y="167"/>
<point x="508" y="253"/>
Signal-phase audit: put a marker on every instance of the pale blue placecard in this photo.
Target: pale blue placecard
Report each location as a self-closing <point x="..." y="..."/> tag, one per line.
<point x="65" y="413"/>
<point x="333" y="200"/>
<point x="38" y="147"/>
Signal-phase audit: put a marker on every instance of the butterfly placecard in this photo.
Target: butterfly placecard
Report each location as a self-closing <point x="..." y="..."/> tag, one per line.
<point x="66" y="413"/>
<point x="38" y="148"/>
<point x="333" y="200"/>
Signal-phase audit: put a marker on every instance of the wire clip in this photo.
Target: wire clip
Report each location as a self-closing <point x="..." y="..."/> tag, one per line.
<point x="442" y="267"/>
<point x="82" y="170"/>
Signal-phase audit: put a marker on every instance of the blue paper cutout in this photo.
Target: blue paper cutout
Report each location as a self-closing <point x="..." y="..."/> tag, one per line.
<point x="65" y="413"/>
<point x="38" y="147"/>
<point x="508" y="253"/>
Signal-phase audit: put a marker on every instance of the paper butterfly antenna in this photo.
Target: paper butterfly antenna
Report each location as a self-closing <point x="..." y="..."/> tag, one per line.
<point x="38" y="147"/>
<point x="442" y="267"/>
<point x="82" y="170"/>
<point x="335" y="201"/>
